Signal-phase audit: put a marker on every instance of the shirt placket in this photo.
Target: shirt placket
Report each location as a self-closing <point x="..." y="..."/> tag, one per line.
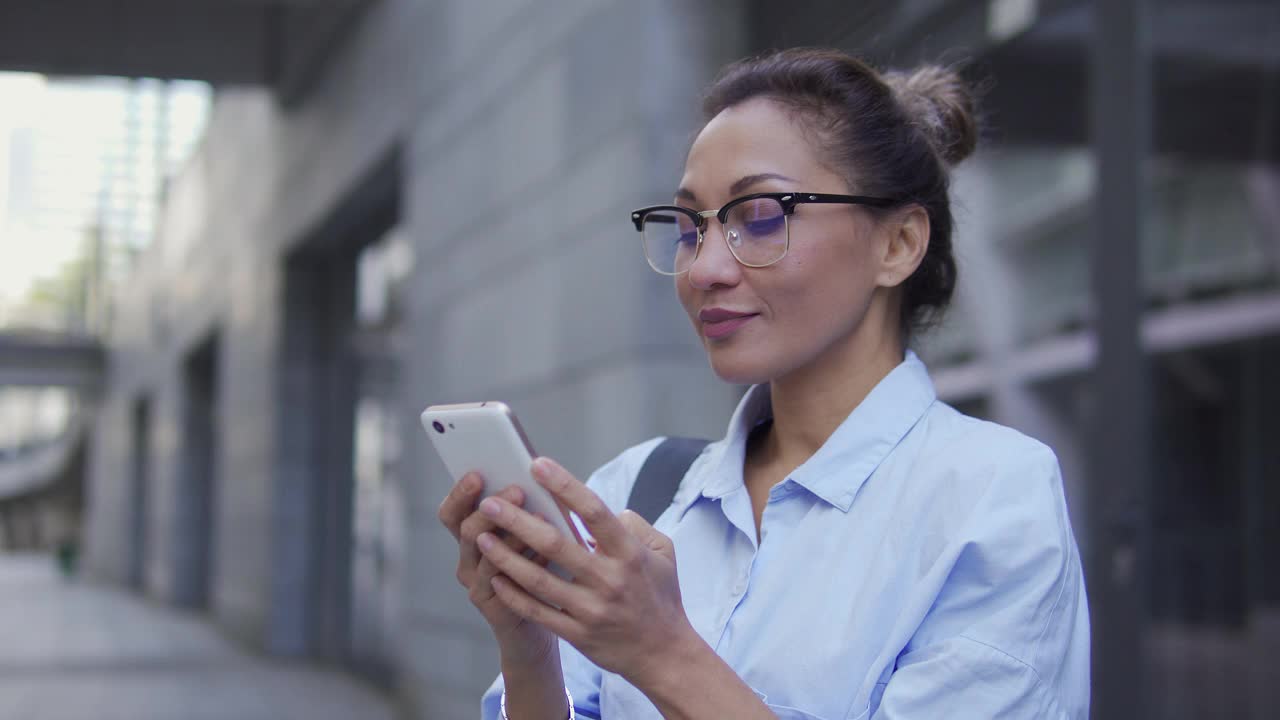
<point x="736" y="507"/>
<point x="746" y="552"/>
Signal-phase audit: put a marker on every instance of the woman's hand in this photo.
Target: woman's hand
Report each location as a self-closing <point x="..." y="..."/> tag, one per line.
<point x="517" y="638"/>
<point x="623" y="608"/>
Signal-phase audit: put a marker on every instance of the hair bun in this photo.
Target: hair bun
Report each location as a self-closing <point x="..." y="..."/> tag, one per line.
<point x="943" y="106"/>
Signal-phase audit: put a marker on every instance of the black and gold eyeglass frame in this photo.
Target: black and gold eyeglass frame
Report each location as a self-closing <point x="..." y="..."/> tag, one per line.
<point x="756" y="228"/>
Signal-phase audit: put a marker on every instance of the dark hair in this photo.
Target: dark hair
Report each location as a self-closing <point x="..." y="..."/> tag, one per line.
<point x="892" y="135"/>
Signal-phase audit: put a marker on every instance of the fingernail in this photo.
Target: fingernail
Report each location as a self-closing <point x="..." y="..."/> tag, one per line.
<point x="541" y="468"/>
<point x="491" y="507"/>
<point x="485" y="541"/>
<point x="470" y="483"/>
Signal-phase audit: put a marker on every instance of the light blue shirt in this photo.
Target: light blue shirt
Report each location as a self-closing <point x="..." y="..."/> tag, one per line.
<point x="920" y="565"/>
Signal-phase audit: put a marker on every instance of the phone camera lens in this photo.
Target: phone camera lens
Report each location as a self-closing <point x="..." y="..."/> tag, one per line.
<point x="436" y="424"/>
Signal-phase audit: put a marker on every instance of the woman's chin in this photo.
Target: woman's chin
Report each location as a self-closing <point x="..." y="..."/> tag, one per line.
<point x="736" y="369"/>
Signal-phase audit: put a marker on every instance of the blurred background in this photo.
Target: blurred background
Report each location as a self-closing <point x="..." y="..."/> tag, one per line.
<point x="244" y="242"/>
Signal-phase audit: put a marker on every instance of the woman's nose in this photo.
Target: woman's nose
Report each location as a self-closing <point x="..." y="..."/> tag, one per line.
<point x="714" y="265"/>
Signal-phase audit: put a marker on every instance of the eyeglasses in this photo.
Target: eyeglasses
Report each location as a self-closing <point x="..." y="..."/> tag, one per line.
<point x="755" y="228"/>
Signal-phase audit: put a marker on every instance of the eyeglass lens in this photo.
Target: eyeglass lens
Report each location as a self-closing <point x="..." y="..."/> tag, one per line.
<point x="756" y="232"/>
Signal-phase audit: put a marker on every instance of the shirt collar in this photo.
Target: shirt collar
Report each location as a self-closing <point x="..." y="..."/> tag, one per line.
<point x="856" y="448"/>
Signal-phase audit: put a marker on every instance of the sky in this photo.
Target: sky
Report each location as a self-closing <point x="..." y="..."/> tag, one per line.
<point x="76" y="152"/>
<point x="26" y="252"/>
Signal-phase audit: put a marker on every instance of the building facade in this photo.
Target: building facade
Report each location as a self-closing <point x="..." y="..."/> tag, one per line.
<point x="442" y="218"/>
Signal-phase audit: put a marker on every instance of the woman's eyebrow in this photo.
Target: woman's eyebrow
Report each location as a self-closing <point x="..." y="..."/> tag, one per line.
<point x="738" y="185"/>
<point x="745" y="182"/>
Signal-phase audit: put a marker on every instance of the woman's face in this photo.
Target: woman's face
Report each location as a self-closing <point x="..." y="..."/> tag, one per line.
<point x="813" y="299"/>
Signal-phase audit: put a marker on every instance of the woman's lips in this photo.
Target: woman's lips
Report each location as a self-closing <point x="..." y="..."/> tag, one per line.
<point x="720" y="328"/>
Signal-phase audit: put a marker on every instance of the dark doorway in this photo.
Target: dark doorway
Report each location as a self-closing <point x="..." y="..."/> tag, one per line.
<point x="325" y="556"/>
<point x="383" y="270"/>
<point x="314" y="496"/>
<point x="139" y="493"/>
<point x="197" y="498"/>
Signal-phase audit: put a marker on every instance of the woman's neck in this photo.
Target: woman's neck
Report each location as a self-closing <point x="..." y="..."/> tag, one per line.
<point x="810" y="403"/>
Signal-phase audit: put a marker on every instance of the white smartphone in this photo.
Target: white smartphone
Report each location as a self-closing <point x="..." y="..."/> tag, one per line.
<point x="486" y="437"/>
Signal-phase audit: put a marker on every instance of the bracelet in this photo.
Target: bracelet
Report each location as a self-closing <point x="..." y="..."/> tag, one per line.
<point x="503" y="706"/>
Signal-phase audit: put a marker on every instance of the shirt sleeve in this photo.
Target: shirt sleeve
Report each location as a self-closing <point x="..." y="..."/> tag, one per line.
<point x="613" y="483"/>
<point x="1008" y="633"/>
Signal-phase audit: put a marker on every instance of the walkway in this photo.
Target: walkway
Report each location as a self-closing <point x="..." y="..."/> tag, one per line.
<point x="72" y="650"/>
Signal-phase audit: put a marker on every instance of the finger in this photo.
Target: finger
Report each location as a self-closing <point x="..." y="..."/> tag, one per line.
<point x="529" y="552"/>
<point x="534" y="579"/>
<point x="641" y="530"/>
<point x="481" y="589"/>
<point x="460" y="502"/>
<point x="477" y="522"/>
<point x="610" y="534"/>
<point x="534" y="610"/>
<point x="538" y="534"/>
<point x="485" y="570"/>
<point x="468" y="554"/>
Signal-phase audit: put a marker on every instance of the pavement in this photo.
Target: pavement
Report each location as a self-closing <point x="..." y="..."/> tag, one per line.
<point x="71" y="650"/>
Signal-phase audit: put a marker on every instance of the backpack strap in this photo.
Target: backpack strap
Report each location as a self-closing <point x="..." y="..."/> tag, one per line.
<point x="661" y="474"/>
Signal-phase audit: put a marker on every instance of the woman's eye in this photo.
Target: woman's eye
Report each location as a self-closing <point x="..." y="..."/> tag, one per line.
<point x="765" y="226"/>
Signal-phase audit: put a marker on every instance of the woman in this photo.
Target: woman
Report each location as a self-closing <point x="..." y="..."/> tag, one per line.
<point x="853" y="547"/>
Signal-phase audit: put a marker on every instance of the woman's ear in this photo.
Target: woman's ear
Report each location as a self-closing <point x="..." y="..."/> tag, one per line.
<point x="904" y="247"/>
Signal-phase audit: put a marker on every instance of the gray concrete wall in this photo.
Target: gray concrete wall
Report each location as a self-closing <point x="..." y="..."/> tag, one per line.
<point x="525" y="132"/>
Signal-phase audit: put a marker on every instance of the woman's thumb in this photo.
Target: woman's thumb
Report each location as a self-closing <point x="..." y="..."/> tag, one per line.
<point x="641" y="530"/>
